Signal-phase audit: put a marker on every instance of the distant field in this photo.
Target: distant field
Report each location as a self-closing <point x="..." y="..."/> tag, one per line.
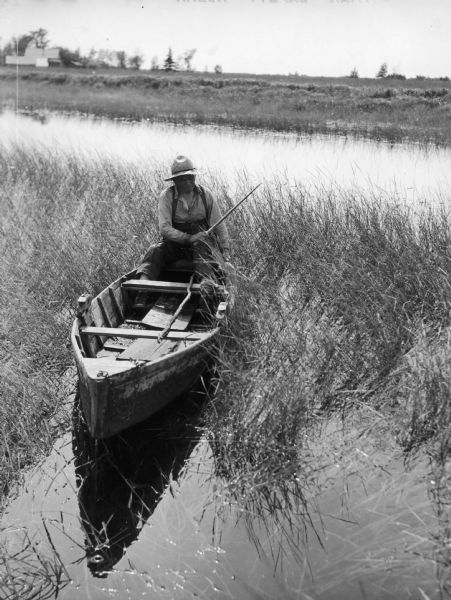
<point x="390" y="109"/>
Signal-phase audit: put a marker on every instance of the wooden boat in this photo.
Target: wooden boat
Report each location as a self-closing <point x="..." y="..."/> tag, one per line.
<point x="133" y="361"/>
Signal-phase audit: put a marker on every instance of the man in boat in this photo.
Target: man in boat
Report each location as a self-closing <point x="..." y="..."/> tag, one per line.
<point x="185" y="211"/>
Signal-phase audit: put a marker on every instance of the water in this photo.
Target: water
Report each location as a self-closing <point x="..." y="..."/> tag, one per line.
<point x="148" y="519"/>
<point x="411" y="173"/>
<point x="147" y="515"/>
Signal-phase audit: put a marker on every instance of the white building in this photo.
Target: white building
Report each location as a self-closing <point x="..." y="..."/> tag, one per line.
<point x="36" y="57"/>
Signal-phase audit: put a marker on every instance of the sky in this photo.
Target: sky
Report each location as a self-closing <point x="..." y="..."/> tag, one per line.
<point x="311" y="37"/>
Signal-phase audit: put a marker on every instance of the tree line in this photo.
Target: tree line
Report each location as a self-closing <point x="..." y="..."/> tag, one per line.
<point x="99" y="58"/>
<point x="383" y="73"/>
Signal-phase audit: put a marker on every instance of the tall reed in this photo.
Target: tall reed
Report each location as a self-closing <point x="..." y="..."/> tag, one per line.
<point x="336" y="290"/>
<point x="343" y="302"/>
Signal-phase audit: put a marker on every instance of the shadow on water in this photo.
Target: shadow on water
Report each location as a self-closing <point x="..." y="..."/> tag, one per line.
<point x="120" y="480"/>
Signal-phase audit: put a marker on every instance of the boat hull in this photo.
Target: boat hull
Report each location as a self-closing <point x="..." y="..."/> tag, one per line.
<point x="112" y="403"/>
<point x="129" y="369"/>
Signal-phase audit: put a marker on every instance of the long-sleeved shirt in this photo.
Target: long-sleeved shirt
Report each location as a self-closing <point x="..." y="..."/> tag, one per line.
<point x="189" y="209"/>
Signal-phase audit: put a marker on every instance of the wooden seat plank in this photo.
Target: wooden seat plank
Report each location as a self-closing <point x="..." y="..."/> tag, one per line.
<point x="168" y="287"/>
<point x="114" y="347"/>
<point x="139" y="333"/>
<point x="148" y="349"/>
<point x="161" y="313"/>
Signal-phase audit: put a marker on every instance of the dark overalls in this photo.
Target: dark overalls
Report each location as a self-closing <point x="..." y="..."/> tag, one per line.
<point x="161" y="255"/>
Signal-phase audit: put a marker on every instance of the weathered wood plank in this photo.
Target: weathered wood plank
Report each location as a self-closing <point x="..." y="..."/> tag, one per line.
<point x="116" y="301"/>
<point x="97" y="317"/>
<point x="108" y="365"/>
<point x="105" y="309"/>
<point x="107" y="353"/>
<point x="115" y="347"/>
<point x="139" y="333"/>
<point x="141" y="346"/>
<point x="149" y="349"/>
<point x="161" y="313"/>
<point x="170" y="287"/>
<point x="92" y="345"/>
<point x="80" y="345"/>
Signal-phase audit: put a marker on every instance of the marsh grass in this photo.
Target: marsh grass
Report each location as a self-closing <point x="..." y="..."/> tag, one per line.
<point x="30" y="573"/>
<point x="343" y="302"/>
<point x="390" y="110"/>
<point x="52" y="248"/>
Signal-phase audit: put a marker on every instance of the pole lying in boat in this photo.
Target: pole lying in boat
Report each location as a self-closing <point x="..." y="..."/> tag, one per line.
<point x="166" y="330"/>
<point x="229" y="212"/>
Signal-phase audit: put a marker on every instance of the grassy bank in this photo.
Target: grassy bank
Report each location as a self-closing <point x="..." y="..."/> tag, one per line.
<point x="347" y="306"/>
<point x="416" y="110"/>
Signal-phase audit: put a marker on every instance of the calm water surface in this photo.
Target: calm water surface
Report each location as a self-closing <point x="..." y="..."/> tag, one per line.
<point x="145" y="515"/>
<point x="411" y="173"/>
<point x="148" y="519"/>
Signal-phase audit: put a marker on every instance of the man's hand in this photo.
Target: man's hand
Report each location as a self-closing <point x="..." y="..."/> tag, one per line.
<point x="199" y="238"/>
<point x="228" y="266"/>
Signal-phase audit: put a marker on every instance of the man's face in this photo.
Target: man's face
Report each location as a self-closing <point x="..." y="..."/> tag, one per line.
<point x="184" y="183"/>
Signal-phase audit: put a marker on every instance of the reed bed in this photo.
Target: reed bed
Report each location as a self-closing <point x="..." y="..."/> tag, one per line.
<point x="343" y="305"/>
<point x="383" y="109"/>
<point x="343" y="313"/>
<point x="29" y="573"/>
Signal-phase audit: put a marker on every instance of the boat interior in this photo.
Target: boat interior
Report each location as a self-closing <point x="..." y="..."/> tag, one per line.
<point x="172" y="313"/>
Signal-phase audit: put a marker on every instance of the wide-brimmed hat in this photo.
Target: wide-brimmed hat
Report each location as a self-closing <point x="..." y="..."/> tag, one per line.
<point x="181" y="166"/>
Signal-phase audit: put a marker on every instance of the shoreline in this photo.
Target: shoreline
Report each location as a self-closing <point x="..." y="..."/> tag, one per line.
<point x="393" y="111"/>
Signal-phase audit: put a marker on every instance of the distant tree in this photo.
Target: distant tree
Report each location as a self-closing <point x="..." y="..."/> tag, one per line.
<point x="188" y="57"/>
<point x="106" y="58"/>
<point x="383" y="69"/>
<point x="18" y="45"/>
<point x="136" y="61"/>
<point x="169" y="63"/>
<point x="71" y="58"/>
<point x="91" y="58"/>
<point x="396" y="76"/>
<point x="40" y="37"/>
<point x="121" y="56"/>
<point x="9" y="48"/>
<point x="100" y="59"/>
<point x="154" y="66"/>
<point x="218" y="69"/>
<point x="354" y="74"/>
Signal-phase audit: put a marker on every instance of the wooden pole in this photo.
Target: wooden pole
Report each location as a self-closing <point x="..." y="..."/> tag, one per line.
<point x="229" y="212"/>
<point x="166" y="330"/>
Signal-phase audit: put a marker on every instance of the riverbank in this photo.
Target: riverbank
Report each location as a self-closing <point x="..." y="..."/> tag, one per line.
<point x="387" y="109"/>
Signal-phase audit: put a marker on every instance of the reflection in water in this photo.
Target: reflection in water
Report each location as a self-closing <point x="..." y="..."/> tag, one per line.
<point x="121" y="479"/>
<point x="359" y="526"/>
<point x="353" y="523"/>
